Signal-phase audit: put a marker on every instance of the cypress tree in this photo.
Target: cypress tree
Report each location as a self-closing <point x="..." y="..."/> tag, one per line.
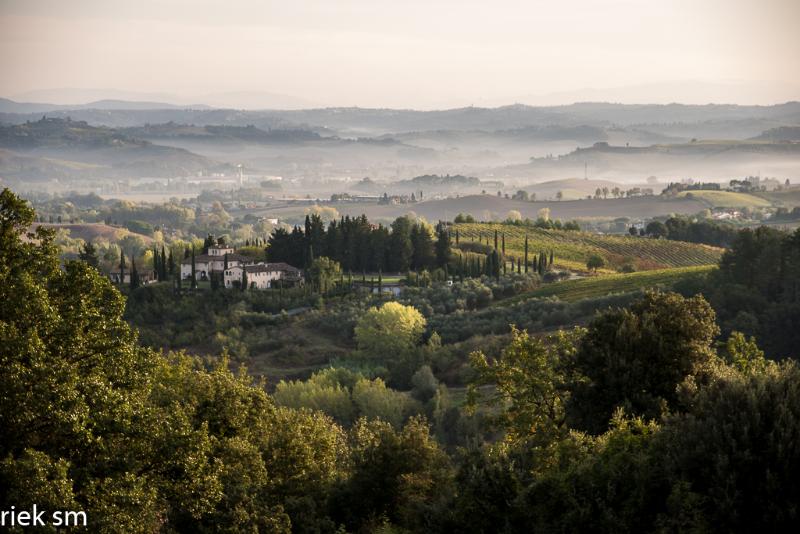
<point x="519" y="267"/>
<point x="88" y="254"/>
<point x="504" y="244"/>
<point x="244" y="278"/>
<point x="495" y="239"/>
<point x="456" y="236"/>
<point x="193" y="283"/>
<point x="134" y="274"/>
<point x="121" y="267"/>
<point x="526" y="254"/>
<point x="172" y="265"/>
<point x="380" y="282"/>
<point x="163" y="262"/>
<point x="551" y="257"/>
<point x="156" y="266"/>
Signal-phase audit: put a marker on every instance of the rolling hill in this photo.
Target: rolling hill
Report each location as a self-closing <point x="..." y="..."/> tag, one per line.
<point x="726" y="199"/>
<point x="53" y="148"/>
<point x="572" y="249"/>
<point x="598" y="286"/>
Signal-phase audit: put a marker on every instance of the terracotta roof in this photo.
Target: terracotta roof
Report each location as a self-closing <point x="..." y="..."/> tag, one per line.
<point x="281" y="266"/>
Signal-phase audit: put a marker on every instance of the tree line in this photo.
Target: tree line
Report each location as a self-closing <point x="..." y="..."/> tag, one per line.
<point x="701" y="231"/>
<point x="359" y="246"/>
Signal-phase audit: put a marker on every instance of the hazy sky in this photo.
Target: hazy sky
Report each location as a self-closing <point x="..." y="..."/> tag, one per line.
<point x="407" y="53"/>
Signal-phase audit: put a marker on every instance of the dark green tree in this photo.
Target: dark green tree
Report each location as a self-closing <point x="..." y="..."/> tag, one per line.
<point x="121" y="267"/>
<point x="193" y="283"/>
<point x="88" y="254"/>
<point x="134" y="274"/>
<point x="442" y="247"/>
<point x="635" y="358"/>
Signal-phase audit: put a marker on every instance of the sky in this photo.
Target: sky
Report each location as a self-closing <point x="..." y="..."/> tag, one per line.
<point x="401" y="53"/>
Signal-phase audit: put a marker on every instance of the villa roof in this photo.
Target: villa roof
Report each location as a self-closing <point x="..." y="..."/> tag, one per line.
<point x="282" y="266"/>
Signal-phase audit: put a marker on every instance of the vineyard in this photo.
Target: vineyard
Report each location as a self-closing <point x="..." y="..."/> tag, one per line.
<point x="572" y="249"/>
<point x="598" y="286"/>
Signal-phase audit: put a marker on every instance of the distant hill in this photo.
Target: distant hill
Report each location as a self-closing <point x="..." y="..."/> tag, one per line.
<point x="711" y="159"/>
<point x="726" y="199"/>
<point x="216" y="133"/>
<point x="573" y="188"/>
<point x="54" y="148"/>
<point x="488" y="207"/>
<point x="672" y="120"/>
<point x="783" y="133"/>
<point x="434" y="182"/>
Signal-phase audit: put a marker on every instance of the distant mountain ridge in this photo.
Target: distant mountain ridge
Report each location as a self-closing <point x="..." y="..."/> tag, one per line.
<point x="11" y="106"/>
<point x="365" y="122"/>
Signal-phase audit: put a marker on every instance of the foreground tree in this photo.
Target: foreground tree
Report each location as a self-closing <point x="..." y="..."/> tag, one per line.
<point x="78" y="431"/>
<point x="635" y="358"/>
<point x="529" y="384"/>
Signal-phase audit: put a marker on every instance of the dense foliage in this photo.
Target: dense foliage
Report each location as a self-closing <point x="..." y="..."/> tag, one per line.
<point x="638" y="422"/>
<point x="359" y="246"/>
<point x="757" y="289"/>
<point x="706" y="231"/>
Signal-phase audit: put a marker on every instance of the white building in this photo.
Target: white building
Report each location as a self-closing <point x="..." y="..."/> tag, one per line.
<point x="213" y="262"/>
<point x="263" y="275"/>
<point x="220" y="251"/>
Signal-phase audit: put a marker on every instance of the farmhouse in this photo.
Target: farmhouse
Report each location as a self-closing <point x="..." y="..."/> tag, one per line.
<point x="212" y="262"/>
<point x="263" y="275"/>
<point x="226" y="265"/>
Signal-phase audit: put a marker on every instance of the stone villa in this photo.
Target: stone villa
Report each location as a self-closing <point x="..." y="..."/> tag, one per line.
<point x="260" y="275"/>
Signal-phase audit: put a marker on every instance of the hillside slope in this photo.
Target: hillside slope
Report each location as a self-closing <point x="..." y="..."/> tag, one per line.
<point x="573" y="249"/>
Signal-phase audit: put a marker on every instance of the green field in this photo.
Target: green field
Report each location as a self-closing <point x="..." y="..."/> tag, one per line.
<point x="572" y="249"/>
<point x="727" y="199"/>
<point x="598" y="286"/>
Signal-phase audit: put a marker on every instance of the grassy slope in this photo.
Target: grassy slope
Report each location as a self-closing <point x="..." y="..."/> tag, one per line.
<point x="789" y="198"/>
<point x="572" y="249"/>
<point x="727" y="199"/>
<point x="598" y="286"/>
